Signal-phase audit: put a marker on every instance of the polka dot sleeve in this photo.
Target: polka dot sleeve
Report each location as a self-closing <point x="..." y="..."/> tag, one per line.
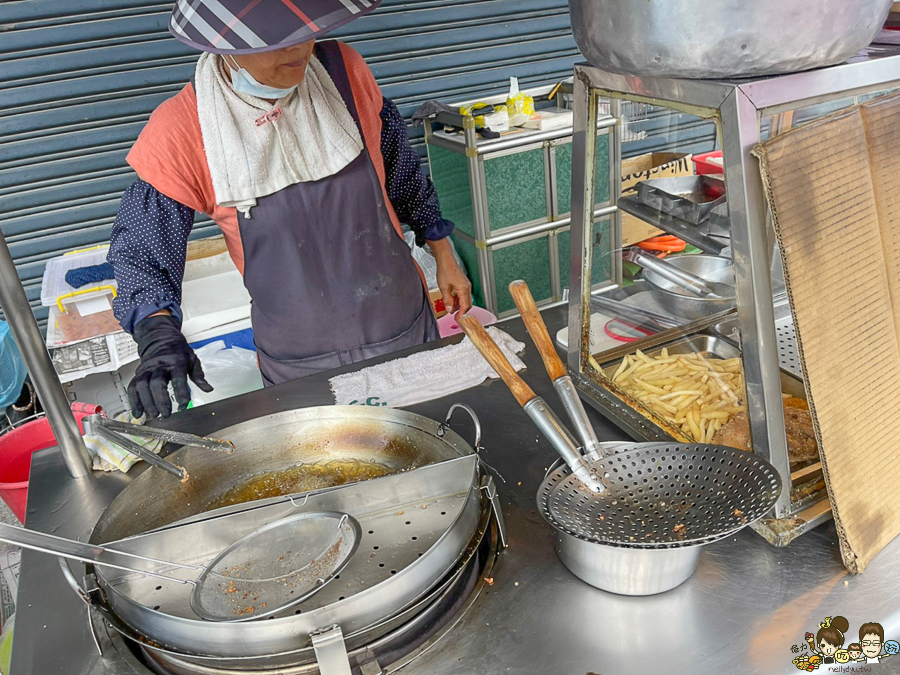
<point x="411" y="192"/>
<point x="147" y="251"/>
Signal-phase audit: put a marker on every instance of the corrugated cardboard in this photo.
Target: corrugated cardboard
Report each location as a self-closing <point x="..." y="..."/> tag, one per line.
<point x="645" y="167"/>
<point x="833" y="189"/>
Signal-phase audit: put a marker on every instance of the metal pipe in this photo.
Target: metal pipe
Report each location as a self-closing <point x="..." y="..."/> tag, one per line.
<point x="543" y="227"/>
<point x="49" y="389"/>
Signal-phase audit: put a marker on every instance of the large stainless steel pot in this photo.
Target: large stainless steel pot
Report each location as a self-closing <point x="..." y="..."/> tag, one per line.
<point x="725" y="38"/>
<point x="403" y="440"/>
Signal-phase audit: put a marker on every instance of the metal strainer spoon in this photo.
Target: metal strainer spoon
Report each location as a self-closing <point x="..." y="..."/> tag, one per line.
<point x="276" y="567"/>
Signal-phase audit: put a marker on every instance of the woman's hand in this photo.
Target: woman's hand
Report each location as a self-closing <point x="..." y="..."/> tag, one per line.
<point x="453" y="283"/>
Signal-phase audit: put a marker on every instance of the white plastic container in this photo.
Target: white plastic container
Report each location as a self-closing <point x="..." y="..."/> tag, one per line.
<point x="90" y="299"/>
<point x="213" y="295"/>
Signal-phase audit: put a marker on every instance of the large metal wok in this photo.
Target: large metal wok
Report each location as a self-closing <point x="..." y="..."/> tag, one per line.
<point x="393" y="439"/>
<point x="436" y="474"/>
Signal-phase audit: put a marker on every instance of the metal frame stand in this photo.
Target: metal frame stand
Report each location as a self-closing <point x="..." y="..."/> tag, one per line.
<point x="49" y="389"/>
<point x="487" y="240"/>
<point x="738" y="108"/>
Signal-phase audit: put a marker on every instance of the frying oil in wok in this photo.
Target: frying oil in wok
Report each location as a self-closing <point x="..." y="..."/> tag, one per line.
<point x="303" y="478"/>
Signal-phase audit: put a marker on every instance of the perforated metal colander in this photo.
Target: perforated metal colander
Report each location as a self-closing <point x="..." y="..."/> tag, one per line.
<point x="662" y="495"/>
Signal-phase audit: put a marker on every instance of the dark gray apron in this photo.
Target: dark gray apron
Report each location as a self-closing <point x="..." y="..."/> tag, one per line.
<point x="331" y="281"/>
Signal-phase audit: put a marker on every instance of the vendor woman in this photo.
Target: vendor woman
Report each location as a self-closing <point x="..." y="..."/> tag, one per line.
<point x="290" y="147"/>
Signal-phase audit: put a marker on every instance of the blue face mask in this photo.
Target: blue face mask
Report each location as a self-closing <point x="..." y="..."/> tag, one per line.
<point x="245" y="83"/>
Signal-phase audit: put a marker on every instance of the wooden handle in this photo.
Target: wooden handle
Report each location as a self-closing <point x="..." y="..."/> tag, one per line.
<point x="492" y="354"/>
<point x="537" y="329"/>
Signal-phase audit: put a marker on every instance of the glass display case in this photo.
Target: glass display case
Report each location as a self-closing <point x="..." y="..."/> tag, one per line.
<point x="708" y="356"/>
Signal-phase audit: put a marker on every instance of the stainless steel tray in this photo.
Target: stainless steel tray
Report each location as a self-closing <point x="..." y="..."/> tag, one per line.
<point x="711" y="346"/>
<point x="685" y="197"/>
<point x="718" y="224"/>
<point x="708" y="345"/>
<point x="415" y="524"/>
<point x="788" y="354"/>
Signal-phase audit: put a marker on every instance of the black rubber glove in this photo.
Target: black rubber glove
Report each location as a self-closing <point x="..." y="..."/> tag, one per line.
<point x="165" y="357"/>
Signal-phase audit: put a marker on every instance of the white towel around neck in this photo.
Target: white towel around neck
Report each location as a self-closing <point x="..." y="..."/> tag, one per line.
<point x="314" y="137"/>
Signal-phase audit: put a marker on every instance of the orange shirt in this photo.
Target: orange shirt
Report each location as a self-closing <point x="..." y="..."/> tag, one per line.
<point x="169" y="152"/>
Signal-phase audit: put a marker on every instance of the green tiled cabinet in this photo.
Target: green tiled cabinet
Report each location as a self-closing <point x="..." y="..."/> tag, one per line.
<point x="506" y="204"/>
<point x="515" y="184"/>
<point x="561" y="160"/>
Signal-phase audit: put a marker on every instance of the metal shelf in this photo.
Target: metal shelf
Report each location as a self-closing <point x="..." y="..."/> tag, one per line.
<point x="788" y="356"/>
<point x="682" y="229"/>
<point x="769" y="342"/>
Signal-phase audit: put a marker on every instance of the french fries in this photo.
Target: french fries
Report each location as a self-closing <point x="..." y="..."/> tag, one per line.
<point x="696" y="393"/>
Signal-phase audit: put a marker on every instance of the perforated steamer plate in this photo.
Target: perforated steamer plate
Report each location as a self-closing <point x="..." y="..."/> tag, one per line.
<point x="663" y="495"/>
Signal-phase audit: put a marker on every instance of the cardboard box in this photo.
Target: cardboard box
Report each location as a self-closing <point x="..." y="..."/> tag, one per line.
<point x="435" y="295"/>
<point x="832" y="186"/>
<point x="645" y="167"/>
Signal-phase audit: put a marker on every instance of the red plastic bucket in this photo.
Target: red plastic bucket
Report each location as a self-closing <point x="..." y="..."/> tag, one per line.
<point x="16" y="448"/>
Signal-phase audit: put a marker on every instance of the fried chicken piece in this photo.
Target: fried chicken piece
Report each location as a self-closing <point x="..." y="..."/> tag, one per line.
<point x="801" y="436"/>
<point x="734" y="434"/>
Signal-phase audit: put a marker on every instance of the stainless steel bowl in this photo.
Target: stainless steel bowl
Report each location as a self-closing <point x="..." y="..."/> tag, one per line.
<point x="679" y="301"/>
<point x="726" y="38"/>
<point x="627" y="571"/>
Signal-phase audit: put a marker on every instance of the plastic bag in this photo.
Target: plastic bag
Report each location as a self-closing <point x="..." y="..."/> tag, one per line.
<point x="427" y="263"/>
<point x="12" y="368"/>
<point x="230" y="372"/>
<point x="6" y="639"/>
<point x="520" y="106"/>
<point x="487" y="116"/>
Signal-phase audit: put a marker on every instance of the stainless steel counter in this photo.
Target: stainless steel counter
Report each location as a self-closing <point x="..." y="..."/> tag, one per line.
<point x="742" y="611"/>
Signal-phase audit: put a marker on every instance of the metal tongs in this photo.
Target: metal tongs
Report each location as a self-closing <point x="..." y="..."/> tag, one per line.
<point x="115" y="432"/>
<point x="698" y="286"/>
<point x="534" y="406"/>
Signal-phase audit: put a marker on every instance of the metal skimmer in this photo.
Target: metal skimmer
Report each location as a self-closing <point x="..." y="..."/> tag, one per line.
<point x="276" y="567"/>
<point x="271" y="569"/>
<point x="662" y="495"/>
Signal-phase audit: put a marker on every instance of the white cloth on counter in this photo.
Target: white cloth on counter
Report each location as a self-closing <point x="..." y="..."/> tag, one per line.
<point x="423" y="376"/>
<point x="107" y="456"/>
<point x="308" y="135"/>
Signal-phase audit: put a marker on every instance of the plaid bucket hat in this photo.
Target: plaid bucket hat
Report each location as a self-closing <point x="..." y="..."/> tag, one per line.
<point x="250" y="26"/>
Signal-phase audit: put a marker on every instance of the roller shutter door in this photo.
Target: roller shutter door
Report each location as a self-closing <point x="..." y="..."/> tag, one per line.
<point x="82" y="76"/>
